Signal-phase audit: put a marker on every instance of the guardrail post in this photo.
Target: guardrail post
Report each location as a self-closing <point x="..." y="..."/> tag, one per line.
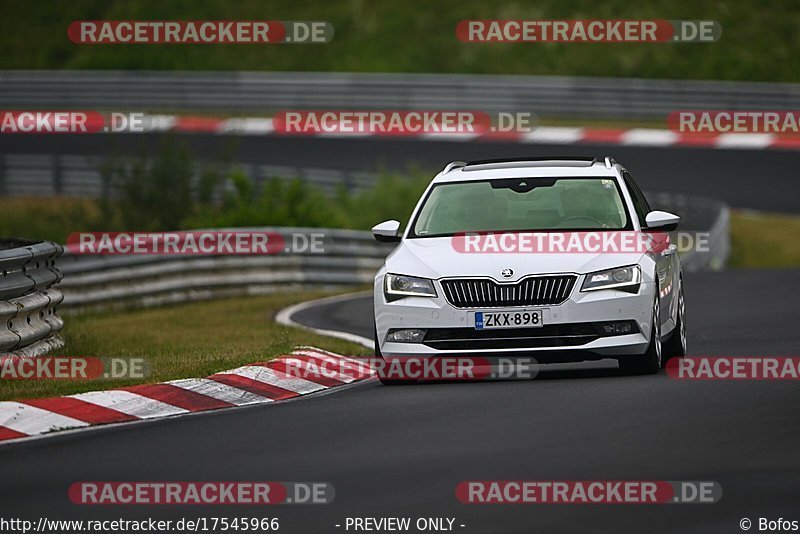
<point x="29" y="323"/>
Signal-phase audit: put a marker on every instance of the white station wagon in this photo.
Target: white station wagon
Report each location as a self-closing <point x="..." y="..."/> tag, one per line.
<point x="469" y="278"/>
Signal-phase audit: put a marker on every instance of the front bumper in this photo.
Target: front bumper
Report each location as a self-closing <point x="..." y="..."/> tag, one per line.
<point x="565" y="337"/>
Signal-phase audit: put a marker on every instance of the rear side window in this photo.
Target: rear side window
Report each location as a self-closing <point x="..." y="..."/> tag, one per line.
<point x="640" y="203"/>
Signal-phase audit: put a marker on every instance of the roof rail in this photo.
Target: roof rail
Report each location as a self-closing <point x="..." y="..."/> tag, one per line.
<point x="610" y="162"/>
<point x="452" y="165"/>
<point x="524" y="159"/>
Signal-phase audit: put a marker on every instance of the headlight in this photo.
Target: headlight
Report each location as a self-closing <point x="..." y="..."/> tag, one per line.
<point x="398" y="286"/>
<point x="623" y="278"/>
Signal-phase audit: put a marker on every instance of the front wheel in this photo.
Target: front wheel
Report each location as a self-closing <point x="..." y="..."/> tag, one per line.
<point x="650" y="362"/>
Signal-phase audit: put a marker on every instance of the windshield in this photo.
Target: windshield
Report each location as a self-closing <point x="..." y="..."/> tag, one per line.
<point x="522" y="204"/>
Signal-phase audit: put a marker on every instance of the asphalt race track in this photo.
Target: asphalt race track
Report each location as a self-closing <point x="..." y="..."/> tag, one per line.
<point x="400" y="451"/>
<point x="756" y="179"/>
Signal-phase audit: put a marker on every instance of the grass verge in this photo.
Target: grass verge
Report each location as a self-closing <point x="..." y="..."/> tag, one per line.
<point x="764" y="240"/>
<point x="181" y="341"/>
<point x="759" y="40"/>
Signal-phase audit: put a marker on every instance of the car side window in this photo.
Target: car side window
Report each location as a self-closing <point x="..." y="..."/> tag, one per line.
<point x="636" y="188"/>
<point x="640" y="203"/>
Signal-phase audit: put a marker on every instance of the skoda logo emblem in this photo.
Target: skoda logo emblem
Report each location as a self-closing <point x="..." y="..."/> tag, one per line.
<point x="506" y="273"/>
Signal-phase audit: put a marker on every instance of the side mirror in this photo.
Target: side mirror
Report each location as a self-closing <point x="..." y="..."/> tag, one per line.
<point x="387" y="231"/>
<point x="662" y="220"/>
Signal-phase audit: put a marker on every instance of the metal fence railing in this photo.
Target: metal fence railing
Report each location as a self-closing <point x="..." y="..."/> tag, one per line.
<point x="349" y="258"/>
<point x="45" y="175"/>
<point x="29" y="322"/>
<point x="249" y="92"/>
<point x="699" y="215"/>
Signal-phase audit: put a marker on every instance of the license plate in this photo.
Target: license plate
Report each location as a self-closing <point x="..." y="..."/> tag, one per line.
<point x="508" y="319"/>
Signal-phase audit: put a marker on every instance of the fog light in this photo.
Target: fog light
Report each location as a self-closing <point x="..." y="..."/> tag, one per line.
<point x="406" y="335"/>
<point x="618" y="328"/>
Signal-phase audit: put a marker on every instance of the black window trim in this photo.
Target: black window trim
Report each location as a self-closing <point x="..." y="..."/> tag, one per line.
<point x="638" y="197"/>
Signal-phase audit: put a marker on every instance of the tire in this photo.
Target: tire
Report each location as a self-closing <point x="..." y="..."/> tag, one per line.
<point x="650" y="362"/>
<point x="675" y="346"/>
<point x="385" y="380"/>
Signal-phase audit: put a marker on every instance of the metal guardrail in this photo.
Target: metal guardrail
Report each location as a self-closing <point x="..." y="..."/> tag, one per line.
<point x="248" y="92"/>
<point x="350" y="258"/>
<point x="29" y="322"/>
<point x="44" y="175"/>
<point x="699" y="214"/>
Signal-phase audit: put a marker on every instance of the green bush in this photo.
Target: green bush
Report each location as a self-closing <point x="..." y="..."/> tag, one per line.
<point x="160" y="194"/>
<point x="153" y="194"/>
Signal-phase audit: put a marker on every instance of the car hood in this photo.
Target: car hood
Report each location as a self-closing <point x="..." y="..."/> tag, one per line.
<point x="435" y="257"/>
